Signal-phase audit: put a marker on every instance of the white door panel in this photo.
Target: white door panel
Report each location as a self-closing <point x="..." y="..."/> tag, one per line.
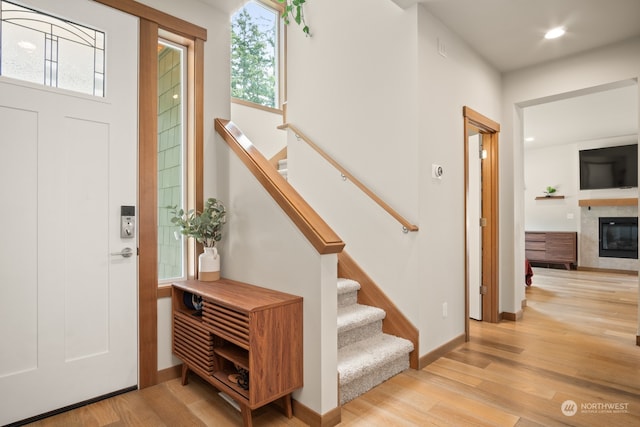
<point x="69" y="161"/>
<point x="19" y="241"/>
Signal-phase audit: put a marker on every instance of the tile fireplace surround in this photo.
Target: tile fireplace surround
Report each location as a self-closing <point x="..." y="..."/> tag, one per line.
<point x="588" y="238"/>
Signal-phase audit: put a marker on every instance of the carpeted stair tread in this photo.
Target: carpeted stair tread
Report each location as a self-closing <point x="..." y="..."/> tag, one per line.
<point x="356" y="315"/>
<point x="347" y="285"/>
<point x="282" y="168"/>
<point x="364" y="357"/>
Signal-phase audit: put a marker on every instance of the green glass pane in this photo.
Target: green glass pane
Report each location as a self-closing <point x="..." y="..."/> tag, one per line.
<point x="171" y="251"/>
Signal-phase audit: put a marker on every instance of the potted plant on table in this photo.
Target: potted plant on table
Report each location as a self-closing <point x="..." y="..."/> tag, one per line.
<point x="206" y="228"/>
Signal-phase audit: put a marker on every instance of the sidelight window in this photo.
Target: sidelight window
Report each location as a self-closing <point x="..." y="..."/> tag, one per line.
<point x="172" y="152"/>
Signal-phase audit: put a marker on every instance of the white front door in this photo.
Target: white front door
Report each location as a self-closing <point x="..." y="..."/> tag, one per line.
<point x="474" y="241"/>
<point x="68" y="306"/>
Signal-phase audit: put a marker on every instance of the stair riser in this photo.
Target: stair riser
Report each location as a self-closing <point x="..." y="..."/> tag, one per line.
<point x="362" y="384"/>
<point x="360" y="333"/>
<point x="347" y="298"/>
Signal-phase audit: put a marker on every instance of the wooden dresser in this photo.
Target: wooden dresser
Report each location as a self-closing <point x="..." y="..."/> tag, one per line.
<point x="552" y="247"/>
<point x="240" y="328"/>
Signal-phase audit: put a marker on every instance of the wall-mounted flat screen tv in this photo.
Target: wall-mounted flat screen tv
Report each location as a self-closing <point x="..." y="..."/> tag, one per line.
<point x="609" y="167"/>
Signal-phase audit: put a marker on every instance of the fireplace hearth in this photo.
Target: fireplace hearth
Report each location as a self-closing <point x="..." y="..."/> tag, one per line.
<point x="618" y="237"/>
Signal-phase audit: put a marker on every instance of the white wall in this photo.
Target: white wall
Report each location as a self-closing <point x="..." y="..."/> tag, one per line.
<point x="261" y="127"/>
<point x="529" y="87"/>
<point x="386" y="105"/>
<point x="554" y="166"/>
<point x="558" y="166"/>
<point x="263" y="247"/>
<point x="352" y="91"/>
<point x="446" y="85"/>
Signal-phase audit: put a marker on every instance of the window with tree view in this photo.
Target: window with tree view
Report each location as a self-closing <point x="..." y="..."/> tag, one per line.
<point x="254" y="54"/>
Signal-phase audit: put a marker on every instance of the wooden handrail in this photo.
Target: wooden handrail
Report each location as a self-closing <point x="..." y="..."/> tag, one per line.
<point x="319" y="234"/>
<point x="406" y="225"/>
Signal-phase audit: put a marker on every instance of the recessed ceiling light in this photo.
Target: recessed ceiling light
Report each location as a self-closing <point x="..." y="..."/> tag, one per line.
<point x="554" y="33"/>
<point x="529" y="139"/>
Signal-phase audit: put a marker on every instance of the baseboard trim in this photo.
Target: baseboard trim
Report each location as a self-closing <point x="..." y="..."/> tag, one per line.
<point x="437" y="353"/>
<point x="607" y="270"/>
<point x="169" y="373"/>
<point x="313" y="419"/>
<point x="513" y="317"/>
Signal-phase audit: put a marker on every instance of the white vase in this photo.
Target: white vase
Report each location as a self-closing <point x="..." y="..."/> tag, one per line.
<point x="209" y="265"/>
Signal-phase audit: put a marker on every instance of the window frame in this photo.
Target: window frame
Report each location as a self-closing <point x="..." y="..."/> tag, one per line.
<point x="187" y="161"/>
<point x="281" y="62"/>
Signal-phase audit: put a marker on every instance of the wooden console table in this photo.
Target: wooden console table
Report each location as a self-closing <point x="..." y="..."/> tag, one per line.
<point x="240" y="327"/>
<point x="551" y="247"/>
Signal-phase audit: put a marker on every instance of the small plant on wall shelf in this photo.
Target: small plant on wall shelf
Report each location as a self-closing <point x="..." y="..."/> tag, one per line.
<point x="293" y="9"/>
<point x="550" y="191"/>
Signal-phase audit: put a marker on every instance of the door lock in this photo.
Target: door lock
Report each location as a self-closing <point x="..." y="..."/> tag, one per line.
<point x="127" y="222"/>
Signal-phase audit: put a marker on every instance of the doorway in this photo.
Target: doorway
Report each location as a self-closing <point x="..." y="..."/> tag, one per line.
<point x="68" y="169"/>
<point x="481" y="217"/>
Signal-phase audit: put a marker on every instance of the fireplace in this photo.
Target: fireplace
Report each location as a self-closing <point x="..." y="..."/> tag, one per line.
<point x="618" y="237"/>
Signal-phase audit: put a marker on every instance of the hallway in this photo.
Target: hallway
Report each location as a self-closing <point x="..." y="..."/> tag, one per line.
<point x="576" y="342"/>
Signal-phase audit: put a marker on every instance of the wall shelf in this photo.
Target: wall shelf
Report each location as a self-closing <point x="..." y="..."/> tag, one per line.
<point x="628" y="201"/>
<point x="549" y="197"/>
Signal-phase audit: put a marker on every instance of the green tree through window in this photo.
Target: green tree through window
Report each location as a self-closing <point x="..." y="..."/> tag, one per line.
<point x="253" y="54"/>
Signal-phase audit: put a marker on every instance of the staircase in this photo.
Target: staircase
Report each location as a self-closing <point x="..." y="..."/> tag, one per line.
<point x="366" y="355"/>
<point x="282" y="168"/>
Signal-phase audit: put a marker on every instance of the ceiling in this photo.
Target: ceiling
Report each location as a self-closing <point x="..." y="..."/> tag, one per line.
<point x="601" y="115"/>
<point x="509" y="34"/>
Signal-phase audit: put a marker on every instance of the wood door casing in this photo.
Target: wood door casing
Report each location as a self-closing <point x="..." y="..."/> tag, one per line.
<point x="490" y="203"/>
<point x="490" y="306"/>
<point x="151" y="21"/>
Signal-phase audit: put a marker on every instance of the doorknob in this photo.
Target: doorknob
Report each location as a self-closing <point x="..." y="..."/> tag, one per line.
<point x="125" y="253"/>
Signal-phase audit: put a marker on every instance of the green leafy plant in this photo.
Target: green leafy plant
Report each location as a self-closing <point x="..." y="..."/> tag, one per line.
<point x="206" y="226"/>
<point x="550" y="190"/>
<point x="293" y="9"/>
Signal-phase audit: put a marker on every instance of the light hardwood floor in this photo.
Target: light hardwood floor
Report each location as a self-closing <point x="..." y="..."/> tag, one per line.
<point x="576" y="343"/>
